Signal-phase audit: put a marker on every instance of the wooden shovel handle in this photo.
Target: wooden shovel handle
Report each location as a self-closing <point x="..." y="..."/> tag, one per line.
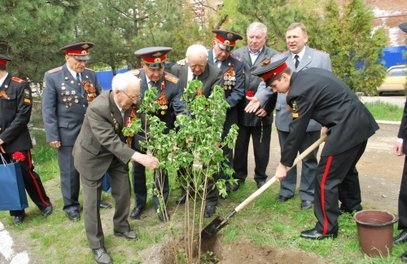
<point x="254" y="195"/>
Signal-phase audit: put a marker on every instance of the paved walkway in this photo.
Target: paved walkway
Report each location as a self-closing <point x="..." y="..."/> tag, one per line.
<point x="7" y="253"/>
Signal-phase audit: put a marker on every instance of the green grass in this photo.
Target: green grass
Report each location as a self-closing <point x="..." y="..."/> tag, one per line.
<point x="385" y="111"/>
<point x="265" y="222"/>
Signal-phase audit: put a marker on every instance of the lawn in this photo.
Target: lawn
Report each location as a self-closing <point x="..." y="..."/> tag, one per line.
<point x="265" y="222"/>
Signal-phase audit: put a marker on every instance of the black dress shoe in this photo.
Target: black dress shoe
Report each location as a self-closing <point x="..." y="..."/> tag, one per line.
<point x="210" y="209"/>
<point x="403" y="257"/>
<point x="101" y="256"/>
<point x="343" y="210"/>
<point x="401" y="238"/>
<point x="18" y="219"/>
<point x="104" y="205"/>
<point x="260" y="183"/>
<point x="130" y="234"/>
<point x="47" y="211"/>
<point x="136" y="213"/>
<point x="314" y="234"/>
<point x="306" y="204"/>
<point x="282" y="198"/>
<point x="232" y="187"/>
<point x="74" y="215"/>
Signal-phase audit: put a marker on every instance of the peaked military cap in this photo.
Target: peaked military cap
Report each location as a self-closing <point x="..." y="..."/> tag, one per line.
<point x="276" y="66"/>
<point x="154" y="57"/>
<point x="403" y="26"/>
<point x="79" y="51"/>
<point x="226" y="39"/>
<point x="4" y="59"/>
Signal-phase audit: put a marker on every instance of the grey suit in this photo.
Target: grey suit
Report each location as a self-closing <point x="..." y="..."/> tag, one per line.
<point x="63" y="108"/>
<point x="312" y="58"/>
<point x="101" y="147"/>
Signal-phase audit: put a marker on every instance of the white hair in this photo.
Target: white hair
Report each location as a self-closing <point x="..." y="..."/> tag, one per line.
<point x="197" y="50"/>
<point x="122" y="81"/>
<point x="257" y="26"/>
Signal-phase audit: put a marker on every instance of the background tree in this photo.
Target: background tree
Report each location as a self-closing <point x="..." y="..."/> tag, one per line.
<point x="119" y="28"/>
<point x="32" y="32"/>
<point x="346" y="34"/>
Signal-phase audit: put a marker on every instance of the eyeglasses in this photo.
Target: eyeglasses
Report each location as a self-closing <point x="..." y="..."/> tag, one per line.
<point x="132" y="97"/>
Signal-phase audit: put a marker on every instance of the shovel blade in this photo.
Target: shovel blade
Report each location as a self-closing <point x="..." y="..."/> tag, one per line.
<point x="212" y="228"/>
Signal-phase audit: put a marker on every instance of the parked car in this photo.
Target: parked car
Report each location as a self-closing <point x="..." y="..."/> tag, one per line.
<point x="395" y="80"/>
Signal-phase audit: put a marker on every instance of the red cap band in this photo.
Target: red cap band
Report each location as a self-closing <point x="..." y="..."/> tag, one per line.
<point x="80" y="52"/>
<point x="3" y="62"/>
<point x="152" y="59"/>
<point x="225" y="41"/>
<point x="274" y="72"/>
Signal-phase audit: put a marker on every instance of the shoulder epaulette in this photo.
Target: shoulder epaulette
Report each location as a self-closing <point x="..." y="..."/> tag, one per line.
<point x="57" y="69"/>
<point x="16" y="79"/>
<point x="135" y="72"/>
<point x="171" y="78"/>
<point x="236" y="57"/>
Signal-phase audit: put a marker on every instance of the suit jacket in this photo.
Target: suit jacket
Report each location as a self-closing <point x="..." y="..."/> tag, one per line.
<point x="100" y="139"/>
<point x="403" y="128"/>
<point x="15" y="113"/>
<point x="312" y="59"/>
<point x="64" y="104"/>
<point x="317" y="94"/>
<point x="252" y="83"/>
<point x="210" y="77"/>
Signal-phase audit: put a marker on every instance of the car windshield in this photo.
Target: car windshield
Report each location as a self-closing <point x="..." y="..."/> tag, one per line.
<point x="397" y="72"/>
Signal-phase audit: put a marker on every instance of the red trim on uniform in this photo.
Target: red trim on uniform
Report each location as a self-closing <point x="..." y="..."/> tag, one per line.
<point x="151" y="59"/>
<point x="322" y="193"/>
<point x="80" y="52"/>
<point x="3" y="62"/>
<point x="34" y="179"/>
<point x="231" y="43"/>
<point x="274" y="72"/>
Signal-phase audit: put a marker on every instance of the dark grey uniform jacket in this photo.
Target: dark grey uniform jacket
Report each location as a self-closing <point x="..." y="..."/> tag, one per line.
<point x="64" y="104"/>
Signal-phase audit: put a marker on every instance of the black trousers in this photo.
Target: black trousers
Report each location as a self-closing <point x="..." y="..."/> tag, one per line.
<point x="337" y="178"/>
<point x="261" y="137"/>
<point x="32" y="183"/>
<point x="161" y="184"/>
<point x="402" y="202"/>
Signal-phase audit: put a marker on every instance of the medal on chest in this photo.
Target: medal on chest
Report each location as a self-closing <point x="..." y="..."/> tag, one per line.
<point x="229" y="78"/>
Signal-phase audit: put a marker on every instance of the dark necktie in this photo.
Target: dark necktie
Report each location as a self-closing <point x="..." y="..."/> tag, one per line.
<point x="194" y="77"/>
<point x="78" y="81"/>
<point x="297" y="61"/>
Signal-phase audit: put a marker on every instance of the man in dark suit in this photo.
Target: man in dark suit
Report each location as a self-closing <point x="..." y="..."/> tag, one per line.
<point x="400" y="149"/>
<point x="152" y="74"/>
<point x="67" y="91"/>
<point x="196" y="66"/>
<point x="15" y="113"/>
<point x="300" y="57"/>
<point x="317" y="94"/>
<point x="101" y="147"/>
<point x="257" y="126"/>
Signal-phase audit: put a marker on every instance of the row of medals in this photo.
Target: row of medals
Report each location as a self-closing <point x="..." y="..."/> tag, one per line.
<point x="69" y="97"/>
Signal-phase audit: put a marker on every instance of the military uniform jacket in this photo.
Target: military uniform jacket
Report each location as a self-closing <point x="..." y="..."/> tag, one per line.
<point x="318" y="94"/>
<point x="101" y="140"/>
<point x="169" y="97"/>
<point x="403" y="129"/>
<point x="252" y="84"/>
<point x="64" y="103"/>
<point x="15" y="113"/>
<point x="312" y="59"/>
<point x="210" y="77"/>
